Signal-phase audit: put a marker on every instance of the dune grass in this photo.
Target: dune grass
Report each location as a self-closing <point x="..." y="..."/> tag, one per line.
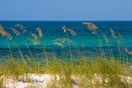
<point x="86" y="68"/>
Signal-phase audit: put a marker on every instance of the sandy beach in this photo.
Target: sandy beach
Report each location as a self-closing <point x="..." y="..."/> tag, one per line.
<point x="48" y="81"/>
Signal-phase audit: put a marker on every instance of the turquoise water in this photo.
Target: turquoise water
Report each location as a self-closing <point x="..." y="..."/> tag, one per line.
<point x="86" y="42"/>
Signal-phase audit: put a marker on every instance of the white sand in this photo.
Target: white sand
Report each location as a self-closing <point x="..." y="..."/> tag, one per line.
<point x="30" y="80"/>
<point x="45" y="80"/>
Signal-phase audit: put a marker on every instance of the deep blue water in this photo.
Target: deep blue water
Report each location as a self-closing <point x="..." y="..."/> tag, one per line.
<point x="86" y="42"/>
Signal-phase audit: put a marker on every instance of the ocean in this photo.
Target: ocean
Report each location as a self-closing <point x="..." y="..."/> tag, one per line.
<point x="85" y="42"/>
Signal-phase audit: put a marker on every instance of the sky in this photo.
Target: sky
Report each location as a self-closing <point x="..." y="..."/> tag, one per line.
<point x="66" y="10"/>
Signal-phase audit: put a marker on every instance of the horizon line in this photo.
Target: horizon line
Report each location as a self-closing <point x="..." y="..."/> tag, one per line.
<point x="65" y="20"/>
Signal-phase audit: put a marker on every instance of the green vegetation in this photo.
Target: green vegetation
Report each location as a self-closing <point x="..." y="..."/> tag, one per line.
<point x="85" y="69"/>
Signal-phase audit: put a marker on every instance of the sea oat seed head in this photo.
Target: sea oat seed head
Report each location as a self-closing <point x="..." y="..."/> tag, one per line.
<point x="15" y="31"/>
<point x="4" y="33"/>
<point x="62" y="40"/>
<point x="72" y="32"/>
<point x="64" y="28"/>
<point x="112" y="32"/>
<point x="59" y="44"/>
<point x="126" y="50"/>
<point x="22" y="27"/>
<point x="129" y="52"/>
<point x="40" y="32"/>
<point x="91" y="26"/>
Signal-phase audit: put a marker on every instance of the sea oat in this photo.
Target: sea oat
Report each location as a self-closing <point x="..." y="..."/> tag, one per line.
<point x="22" y="27"/>
<point x="64" y="28"/>
<point x="0" y="31"/>
<point x="15" y="31"/>
<point x="35" y="39"/>
<point x="1" y="28"/>
<point x="59" y="44"/>
<point x="129" y="52"/>
<point x="4" y="33"/>
<point x="34" y="36"/>
<point x="91" y="26"/>
<point x="62" y="40"/>
<point x="112" y="32"/>
<point x="126" y="50"/>
<point x="72" y="32"/>
<point x="40" y="32"/>
<point x="66" y="39"/>
<point x="8" y="36"/>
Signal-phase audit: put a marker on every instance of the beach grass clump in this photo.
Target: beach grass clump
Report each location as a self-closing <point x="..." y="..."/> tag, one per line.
<point x="102" y="71"/>
<point x="88" y="70"/>
<point x="15" y="68"/>
<point x="108" y="66"/>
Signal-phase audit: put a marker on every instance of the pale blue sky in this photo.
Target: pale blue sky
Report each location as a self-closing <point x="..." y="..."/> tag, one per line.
<point x="65" y="10"/>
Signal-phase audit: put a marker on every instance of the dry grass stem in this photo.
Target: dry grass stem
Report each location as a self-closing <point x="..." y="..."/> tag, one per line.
<point x="120" y="36"/>
<point x="106" y="38"/>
